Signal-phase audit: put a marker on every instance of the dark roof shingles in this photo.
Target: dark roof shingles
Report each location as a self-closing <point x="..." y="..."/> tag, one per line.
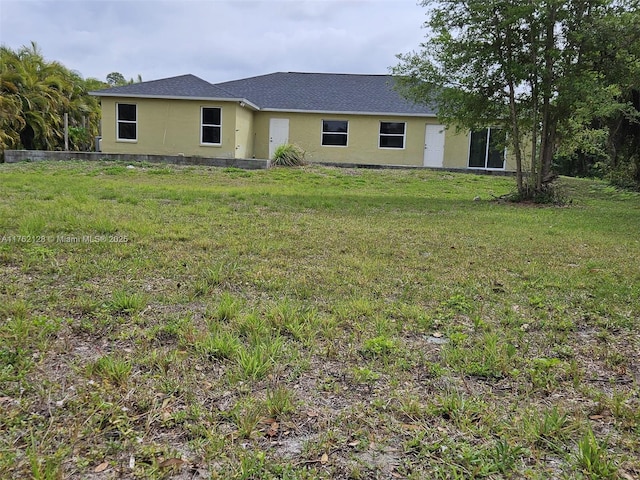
<point x="188" y="86"/>
<point x="327" y="92"/>
<point x="319" y="92"/>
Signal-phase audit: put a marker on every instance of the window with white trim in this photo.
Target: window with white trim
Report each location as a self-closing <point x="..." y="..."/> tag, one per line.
<point x="487" y="149"/>
<point x="211" y="126"/>
<point x="127" y="122"/>
<point x="392" y="134"/>
<point x="335" y="133"/>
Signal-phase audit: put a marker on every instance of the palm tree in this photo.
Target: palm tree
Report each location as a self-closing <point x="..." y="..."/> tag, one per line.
<point x="34" y="96"/>
<point x="11" y="121"/>
<point x="84" y="112"/>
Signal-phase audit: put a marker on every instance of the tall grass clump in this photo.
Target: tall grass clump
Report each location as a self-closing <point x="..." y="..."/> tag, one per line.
<point x="288" y="155"/>
<point x="125" y="302"/>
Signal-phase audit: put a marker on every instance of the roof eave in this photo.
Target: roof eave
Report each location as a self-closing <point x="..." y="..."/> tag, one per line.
<point x="341" y="112"/>
<point x="177" y="97"/>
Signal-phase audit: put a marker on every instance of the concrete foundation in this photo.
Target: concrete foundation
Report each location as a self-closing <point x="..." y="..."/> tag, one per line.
<point x="14" y="156"/>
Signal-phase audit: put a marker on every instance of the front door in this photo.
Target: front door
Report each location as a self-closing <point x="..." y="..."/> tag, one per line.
<point x="434" y="146"/>
<point x="278" y="133"/>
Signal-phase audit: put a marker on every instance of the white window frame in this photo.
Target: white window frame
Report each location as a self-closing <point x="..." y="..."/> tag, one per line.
<point x="486" y="153"/>
<point x="323" y="133"/>
<point x="119" y="121"/>
<point x="403" y="136"/>
<point x="202" y="125"/>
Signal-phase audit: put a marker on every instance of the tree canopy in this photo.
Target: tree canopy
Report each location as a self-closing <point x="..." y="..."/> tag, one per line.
<point x="555" y="75"/>
<point x="34" y="96"/>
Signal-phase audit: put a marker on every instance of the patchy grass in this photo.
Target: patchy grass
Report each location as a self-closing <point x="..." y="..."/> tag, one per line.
<point x="191" y="322"/>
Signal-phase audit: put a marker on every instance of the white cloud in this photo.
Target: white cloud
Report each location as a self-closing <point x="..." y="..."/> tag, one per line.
<point x="215" y="39"/>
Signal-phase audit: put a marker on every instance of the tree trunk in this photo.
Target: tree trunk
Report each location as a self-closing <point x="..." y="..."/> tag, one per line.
<point x="547" y="155"/>
<point x="534" y="133"/>
<point x="515" y="131"/>
<point x="544" y="137"/>
<point x="547" y="136"/>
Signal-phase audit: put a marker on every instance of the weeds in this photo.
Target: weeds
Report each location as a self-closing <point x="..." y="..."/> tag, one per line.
<point x="280" y="401"/>
<point x="125" y="302"/>
<point x="255" y="361"/>
<point x="246" y="415"/>
<point x="314" y="323"/>
<point x="112" y="369"/>
<point x="488" y="356"/>
<point x="227" y="309"/>
<point x="506" y="456"/>
<point x="379" y="347"/>
<point x="365" y="375"/>
<point x="592" y="458"/>
<point x="220" y="344"/>
<point x="44" y="466"/>
<point x="551" y="429"/>
<point x="214" y="277"/>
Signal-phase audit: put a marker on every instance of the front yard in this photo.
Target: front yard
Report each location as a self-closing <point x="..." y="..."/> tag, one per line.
<point x="192" y="322"/>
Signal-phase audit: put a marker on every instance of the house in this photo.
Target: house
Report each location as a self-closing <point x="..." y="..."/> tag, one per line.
<point x="335" y="118"/>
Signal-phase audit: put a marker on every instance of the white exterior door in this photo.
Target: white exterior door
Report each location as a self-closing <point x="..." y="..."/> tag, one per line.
<point x="434" y="146"/>
<point x="278" y="133"/>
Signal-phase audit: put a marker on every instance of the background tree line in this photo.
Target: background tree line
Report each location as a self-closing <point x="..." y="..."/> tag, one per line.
<point x="561" y="78"/>
<point x="36" y="93"/>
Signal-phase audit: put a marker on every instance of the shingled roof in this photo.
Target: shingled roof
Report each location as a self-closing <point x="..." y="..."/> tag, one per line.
<point x="183" y="86"/>
<point x="287" y="91"/>
<point x="325" y="92"/>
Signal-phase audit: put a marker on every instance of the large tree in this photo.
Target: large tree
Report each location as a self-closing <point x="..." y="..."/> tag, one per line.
<point x="622" y="66"/>
<point x="116" y="79"/>
<point x="34" y="96"/>
<point x="539" y="69"/>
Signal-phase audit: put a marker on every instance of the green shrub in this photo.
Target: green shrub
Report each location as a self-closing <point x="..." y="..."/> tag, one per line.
<point x="625" y="176"/>
<point x="288" y="155"/>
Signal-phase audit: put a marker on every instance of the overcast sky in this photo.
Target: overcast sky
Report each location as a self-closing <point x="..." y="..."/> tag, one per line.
<point x="217" y="40"/>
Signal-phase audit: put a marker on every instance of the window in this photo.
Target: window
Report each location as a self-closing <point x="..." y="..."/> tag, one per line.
<point x="487" y="149"/>
<point x="127" y="120"/>
<point x="335" y="133"/>
<point x="391" y="135"/>
<point x="211" y="126"/>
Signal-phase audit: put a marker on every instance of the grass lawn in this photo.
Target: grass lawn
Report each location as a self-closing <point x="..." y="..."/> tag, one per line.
<point x="183" y="322"/>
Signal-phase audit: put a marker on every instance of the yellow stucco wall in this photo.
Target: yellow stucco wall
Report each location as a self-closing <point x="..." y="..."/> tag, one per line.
<point x="510" y="164"/>
<point x="244" y="135"/>
<point x="305" y="130"/>
<point x="170" y="127"/>
<point x="456" y="149"/>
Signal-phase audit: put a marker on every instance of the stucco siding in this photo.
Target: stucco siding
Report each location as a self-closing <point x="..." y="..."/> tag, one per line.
<point x="456" y="149"/>
<point x="261" y="133"/>
<point x="510" y="164"/>
<point x="173" y="127"/>
<point x="169" y="127"/>
<point x="305" y="130"/>
<point x="244" y="134"/>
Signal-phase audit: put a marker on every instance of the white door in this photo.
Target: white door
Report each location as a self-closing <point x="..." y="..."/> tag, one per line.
<point x="434" y="146"/>
<point x="278" y="133"/>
